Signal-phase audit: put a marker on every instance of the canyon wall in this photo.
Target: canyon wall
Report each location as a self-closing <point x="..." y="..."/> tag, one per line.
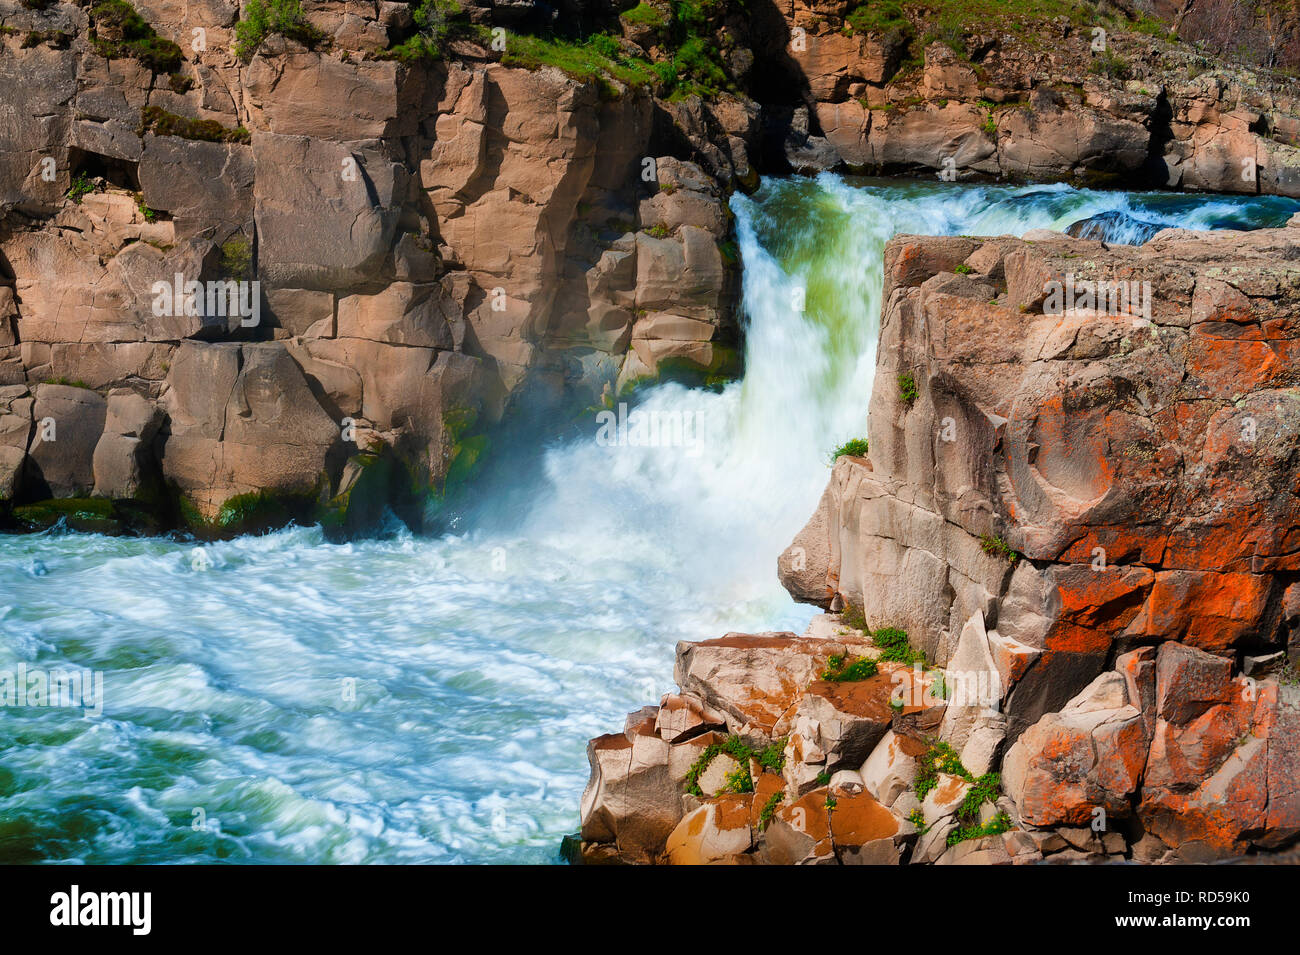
<point x="428" y="241"/>
<point x="392" y="254"/>
<point x="1069" y="558"/>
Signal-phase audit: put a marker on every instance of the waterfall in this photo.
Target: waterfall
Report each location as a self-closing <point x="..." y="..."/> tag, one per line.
<point x="412" y="699"/>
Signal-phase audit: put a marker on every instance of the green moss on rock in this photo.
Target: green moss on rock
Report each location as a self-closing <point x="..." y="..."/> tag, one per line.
<point x="95" y="515"/>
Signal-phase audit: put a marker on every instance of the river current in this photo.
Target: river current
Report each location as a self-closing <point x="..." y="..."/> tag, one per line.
<point x="406" y="699"/>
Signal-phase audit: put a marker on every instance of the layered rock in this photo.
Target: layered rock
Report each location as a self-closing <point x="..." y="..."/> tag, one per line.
<point x="1098" y="107"/>
<point x="1079" y="477"/>
<point x="1070" y="553"/>
<point x="774" y="752"/>
<point x="386" y="256"/>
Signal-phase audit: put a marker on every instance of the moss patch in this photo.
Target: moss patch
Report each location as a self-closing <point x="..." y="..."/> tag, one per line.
<point x="156" y="120"/>
<point x="118" y="31"/>
<point x="95" y="515"/>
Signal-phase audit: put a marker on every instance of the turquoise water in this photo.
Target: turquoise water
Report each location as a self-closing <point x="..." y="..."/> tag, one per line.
<point x="285" y="699"/>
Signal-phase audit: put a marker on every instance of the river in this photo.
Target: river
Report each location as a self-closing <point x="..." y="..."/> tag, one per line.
<point x="407" y="699"/>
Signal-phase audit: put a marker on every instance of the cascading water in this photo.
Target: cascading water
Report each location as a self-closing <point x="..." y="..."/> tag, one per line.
<point x="406" y="699"/>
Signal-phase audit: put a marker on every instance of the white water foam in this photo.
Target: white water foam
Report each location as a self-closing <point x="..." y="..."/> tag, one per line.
<point x="482" y="662"/>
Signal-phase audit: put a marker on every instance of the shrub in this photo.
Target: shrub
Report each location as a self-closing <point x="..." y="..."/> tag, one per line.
<point x="437" y="22"/>
<point x="265" y="17"/>
<point x="117" y="31"/>
<point x="997" y="547"/>
<point x="1109" y="65"/>
<point x="81" y="186"/>
<point x="895" y="646"/>
<point x="907" y="389"/>
<point x="840" y="670"/>
<point x="236" y="258"/>
<point x="854" y="447"/>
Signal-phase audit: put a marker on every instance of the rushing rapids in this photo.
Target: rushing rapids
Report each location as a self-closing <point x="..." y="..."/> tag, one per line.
<point x="398" y="699"/>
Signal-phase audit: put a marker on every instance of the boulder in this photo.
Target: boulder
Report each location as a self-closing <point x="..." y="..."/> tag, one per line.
<point x="68" y="424"/>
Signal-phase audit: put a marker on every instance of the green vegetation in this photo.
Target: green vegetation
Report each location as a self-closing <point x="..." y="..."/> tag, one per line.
<point x="854" y="447"/>
<point x="985" y="789"/>
<point x="597" y="59"/>
<point x="997" y="547"/>
<point x="841" y="670"/>
<point x="659" y="231"/>
<point x="59" y="39"/>
<point x="823" y="778"/>
<point x="996" y="826"/>
<point x="895" y="646"/>
<point x="907" y="389"/>
<point x="74" y="383"/>
<point x="939" y="758"/>
<point x="156" y="120"/>
<point x="117" y="31"/>
<point x="437" y="22"/>
<point x="150" y="215"/>
<point x="265" y="17"/>
<point x="1108" y="64"/>
<point x="93" y="515"/>
<point x="886" y="18"/>
<point x="645" y="15"/>
<point x="942" y="758"/>
<point x="464" y="447"/>
<point x="1152" y="27"/>
<point x="771" y="758"/>
<point x="81" y="186"/>
<point x="244" y="510"/>
<point x="768" y="812"/>
<point x="963" y="269"/>
<point x="236" y="258"/>
<point x="693" y="65"/>
<point x="855" y="618"/>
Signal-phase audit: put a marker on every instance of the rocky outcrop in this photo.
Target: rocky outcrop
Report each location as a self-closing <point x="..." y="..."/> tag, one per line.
<point x="409" y="247"/>
<point x="1035" y="99"/>
<point x="1087" y="473"/>
<point x="321" y="254"/>
<point x="1088" y="450"/>
<point x="1069" y="554"/>
<point x="799" y="750"/>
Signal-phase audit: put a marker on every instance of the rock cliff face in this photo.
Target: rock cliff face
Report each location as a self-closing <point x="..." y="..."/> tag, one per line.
<point x="418" y="243"/>
<point x="1076" y="526"/>
<point x="1061" y="100"/>
<point x="324" y="266"/>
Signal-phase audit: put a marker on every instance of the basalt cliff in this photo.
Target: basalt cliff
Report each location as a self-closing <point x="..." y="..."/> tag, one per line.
<point x="272" y="261"/>
<point x="1062" y="585"/>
